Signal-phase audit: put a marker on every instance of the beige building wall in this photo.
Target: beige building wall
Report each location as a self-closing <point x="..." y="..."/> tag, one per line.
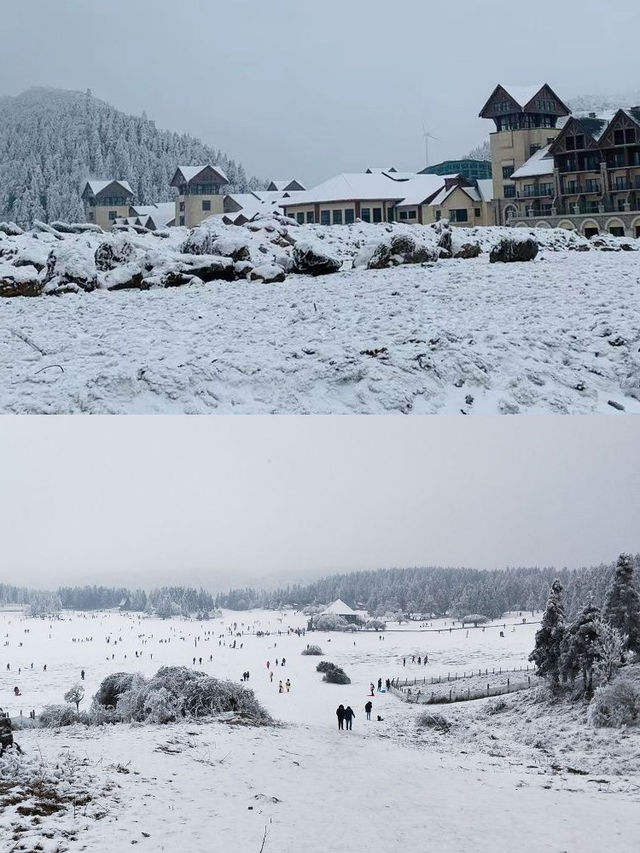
<point x="330" y="207"/>
<point x="100" y="215"/>
<point x="512" y="148"/>
<point x="478" y="212"/>
<point x="193" y="212"/>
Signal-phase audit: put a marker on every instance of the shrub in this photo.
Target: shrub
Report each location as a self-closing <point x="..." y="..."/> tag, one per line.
<point x="497" y="706"/>
<point x="336" y="675"/>
<point x="312" y="650"/>
<point x="325" y="666"/>
<point x="56" y="716"/>
<point x="206" y="696"/>
<point x="112" y="687"/>
<point x="426" y="720"/>
<point x="615" y="705"/>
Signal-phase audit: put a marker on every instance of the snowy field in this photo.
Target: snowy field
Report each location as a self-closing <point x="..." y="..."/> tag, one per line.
<point x="215" y="786"/>
<point x="557" y="335"/>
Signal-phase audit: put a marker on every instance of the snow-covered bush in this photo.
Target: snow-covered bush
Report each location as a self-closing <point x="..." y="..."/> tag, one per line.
<point x="324" y="666"/>
<point x="615" y="705"/>
<point x="336" y="675"/>
<point x="206" y="696"/>
<point x="375" y="625"/>
<point x="162" y="706"/>
<point x="427" y="720"/>
<point x="496" y="706"/>
<point x="56" y="716"/>
<point x="312" y="650"/>
<point x="112" y="687"/>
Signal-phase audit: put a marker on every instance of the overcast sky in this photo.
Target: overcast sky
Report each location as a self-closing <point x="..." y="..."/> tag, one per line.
<point x="311" y="89"/>
<point x="223" y="501"/>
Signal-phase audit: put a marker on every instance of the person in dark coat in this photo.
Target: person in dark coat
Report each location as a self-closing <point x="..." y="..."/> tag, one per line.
<point x="348" y="717"/>
<point x="368" y="708"/>
<point x="340" y="715"/>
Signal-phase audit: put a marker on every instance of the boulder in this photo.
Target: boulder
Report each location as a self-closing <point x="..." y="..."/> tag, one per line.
<point x="269" y="273"/>
<point x="113" y="253"/>
<point x="400" y="249"/>
<point x="24" y="282"/>
<point x="77" y="228"/>
<point x="311" y="259"/>
<point x="69" y="270"/>
<point x="129" y="276"/>
<point x="467" y="251"/>
<point x="209" y="267"/>
<point x="511" y="250"/>
<point x="11" y="229"/>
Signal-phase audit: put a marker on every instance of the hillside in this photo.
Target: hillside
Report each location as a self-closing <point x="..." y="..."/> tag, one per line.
<point x="52" y="140"/>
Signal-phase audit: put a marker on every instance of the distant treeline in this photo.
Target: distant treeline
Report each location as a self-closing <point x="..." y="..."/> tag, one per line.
<point x="422" y="590"/>
<point x="435" y="591"/>
<point x="164" y="601"/>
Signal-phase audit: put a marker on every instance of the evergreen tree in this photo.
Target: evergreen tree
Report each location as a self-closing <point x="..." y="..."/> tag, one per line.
<point x="582" y="646"/>
<point x="547" y="654"/>
<point x="622" y="604"/>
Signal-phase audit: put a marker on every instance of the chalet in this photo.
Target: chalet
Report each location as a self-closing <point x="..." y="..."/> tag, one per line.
<point x="385" y="196"/>
<point x="339" y="608"/>
<point x="199" y="193"/>
<point x="106" y="201"/>
<point x="526" y="119"/>
<point x="587" y="179"/>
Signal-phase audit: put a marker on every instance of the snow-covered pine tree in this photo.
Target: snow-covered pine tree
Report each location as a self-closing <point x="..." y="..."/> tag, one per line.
<point x="582" y="645"/>
<point x="52" y="141"/>
<point x="547" y="654"/>
<point x="622" y="604"/>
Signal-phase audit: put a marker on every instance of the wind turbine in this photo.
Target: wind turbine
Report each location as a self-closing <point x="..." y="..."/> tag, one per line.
<point x="427" y="135"/>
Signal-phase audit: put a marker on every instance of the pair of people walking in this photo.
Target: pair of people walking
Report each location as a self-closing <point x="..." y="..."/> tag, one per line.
<point x="345" y="717"/>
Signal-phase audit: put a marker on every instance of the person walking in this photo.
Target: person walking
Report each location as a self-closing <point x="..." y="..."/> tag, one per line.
<point x="371" y="689"/>
<point x="348" y="717"/>
<point x="287" y="684"/>
<point x="82" y="674"/>
<point x="340" y="716"/>
<point x="280" y="688"/>
<point x="367" y="709"/>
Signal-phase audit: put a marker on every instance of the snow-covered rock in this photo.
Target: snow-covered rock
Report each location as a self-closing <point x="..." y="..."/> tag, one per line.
<point x="268" y="273"/>
<point x="20" y="281"/>
<point x="311" y="259"/>
<point x="514" y="250"/>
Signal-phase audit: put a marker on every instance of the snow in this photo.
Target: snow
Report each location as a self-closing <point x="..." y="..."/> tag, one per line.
<point x="339" y="608"/>
<point x="485" y="186"/>
<point x="557" y="335"/>
<point x="539" y="164"/>
<point x="97" y="186"/>
<point x="492" y="778"/>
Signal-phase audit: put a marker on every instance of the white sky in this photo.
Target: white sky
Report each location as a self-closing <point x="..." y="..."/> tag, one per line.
<point x="222" y="501"/>
<point x="313" y="89"/>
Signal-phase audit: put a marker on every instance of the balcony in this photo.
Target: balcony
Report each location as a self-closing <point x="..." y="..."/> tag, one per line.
<point x="622" y="186"/>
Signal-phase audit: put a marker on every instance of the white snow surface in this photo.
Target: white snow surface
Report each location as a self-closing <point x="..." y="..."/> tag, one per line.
<point x="201" y="786"/>
<point x="560" y="334"/>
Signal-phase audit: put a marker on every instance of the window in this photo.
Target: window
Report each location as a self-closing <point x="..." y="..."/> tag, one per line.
<point x="325" y="217"/>
<point x="580" y="142"/>
<point x="300" y="218"/>
<point x="507" y="171"/>
<point x="438" y="215"/>
<point x="510" y="191"/>
<point x="182" y="220"/>
<point x="365" y="214"/>
<point x="630" y="135"/>
<point x="377" y="214"/>
<point x="622" y="184"/>
<point x="618" y="137"/>
<point x="206" y="204"/>
<point x="113" y="215"/>
<point x="477" y="213"/>
<point x="546" y="189"/>
<point x="592" y="186"/>
<point x="616" y="231"/>
<point x="310" y="217"/>
<point x="413" y="214"/>
<point x="181" y="206"/>
<point x="337" y="217"/>
<point x="570" y="143"/>
<point x="459" y="215"/>
<point x="533" y="149"/>
<point x="349" y="216"/>
<point x="403" y="214"/>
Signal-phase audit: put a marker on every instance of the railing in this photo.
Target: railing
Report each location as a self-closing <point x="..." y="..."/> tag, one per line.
<point x="537" y="192"/>
<point x="503" y="682"/>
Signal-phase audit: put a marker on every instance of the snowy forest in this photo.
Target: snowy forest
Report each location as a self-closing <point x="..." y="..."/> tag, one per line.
<point x="426" y="591"/>
<point x="52" y="141"/>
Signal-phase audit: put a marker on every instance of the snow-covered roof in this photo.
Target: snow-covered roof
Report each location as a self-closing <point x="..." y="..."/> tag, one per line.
<point x="422" y="187"/>
<point x="442" y="196"/>
<point x="538" y="165"/>
<point x="282" y="185"/>
<point x="485" y="186"/>
<point x="523" y="94"/>
<point x="339" y="608"/>
<point x="97" y="186"/>
<point x="191" y="172"/>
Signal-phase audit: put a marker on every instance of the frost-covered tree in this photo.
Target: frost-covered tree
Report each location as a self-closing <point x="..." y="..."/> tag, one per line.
<point x="622" y="604"/>
<point x="480" y="152"/>
<point x="75" y="695"/>
<point x="612" y="647"/>
<point x="547" y="654"/>
<point x="582" y="645"/>
<point x="52" y="141"/>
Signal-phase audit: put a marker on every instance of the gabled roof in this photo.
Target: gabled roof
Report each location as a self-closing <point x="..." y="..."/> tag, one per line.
<point x="421" y="188"/>
<point x="287" y="184"/>
<point x="339" y="608"/>
<point x="97" y="187"/>
<point x="539" y="164"/>
<point x="523" y="95"/>
<point x="162" y="213"/>
<point x="188" y="173"/>
<point x="485" y="186"/>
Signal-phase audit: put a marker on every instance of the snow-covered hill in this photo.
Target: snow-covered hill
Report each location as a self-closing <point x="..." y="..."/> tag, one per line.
<point x="52" y="140"/>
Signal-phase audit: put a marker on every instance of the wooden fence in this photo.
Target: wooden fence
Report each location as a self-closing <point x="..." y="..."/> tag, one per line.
<point x="458" y="692"/>
<point x="413" y="682"/>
